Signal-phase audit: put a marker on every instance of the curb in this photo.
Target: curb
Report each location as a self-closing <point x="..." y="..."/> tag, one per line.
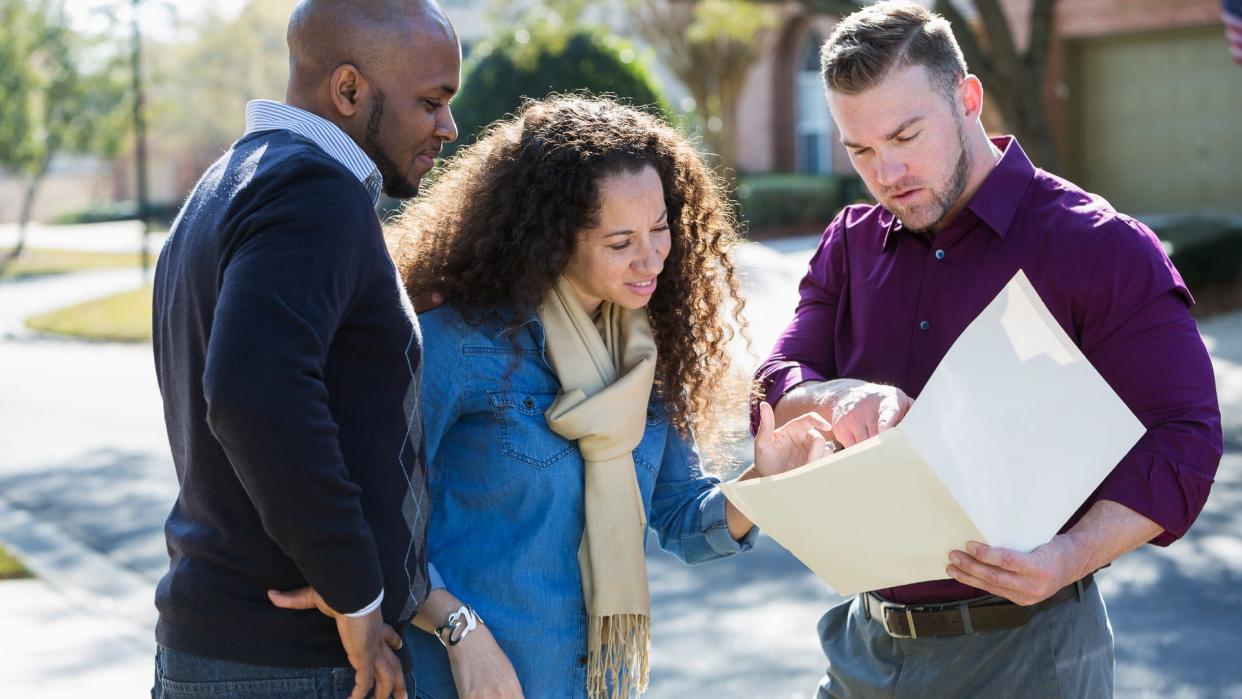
<point x="89" y="581"/>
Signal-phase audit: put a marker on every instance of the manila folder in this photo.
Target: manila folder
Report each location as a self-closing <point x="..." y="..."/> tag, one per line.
<point x="870" y="517"/>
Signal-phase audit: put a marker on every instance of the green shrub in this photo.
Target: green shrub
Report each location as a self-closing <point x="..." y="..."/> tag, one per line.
<point x="161" y="213"/>
<point x="780" y="201"/>
<point x="500" y="74"/>
<point x="1207" y="250"/>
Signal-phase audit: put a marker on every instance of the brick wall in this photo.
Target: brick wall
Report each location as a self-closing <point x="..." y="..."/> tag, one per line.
<point x="1080" y="19"/>
<point x="766" y="105"/>
<point x="1092" y="19"/>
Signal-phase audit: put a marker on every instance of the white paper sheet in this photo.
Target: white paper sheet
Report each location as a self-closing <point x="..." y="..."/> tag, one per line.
<point x="1011" y="434"/>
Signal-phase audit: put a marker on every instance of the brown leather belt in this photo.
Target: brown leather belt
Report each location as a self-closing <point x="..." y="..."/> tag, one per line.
<point x="989" y="613"/>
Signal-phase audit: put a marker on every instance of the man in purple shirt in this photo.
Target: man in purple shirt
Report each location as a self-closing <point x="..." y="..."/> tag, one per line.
<point x="888" y="292"/>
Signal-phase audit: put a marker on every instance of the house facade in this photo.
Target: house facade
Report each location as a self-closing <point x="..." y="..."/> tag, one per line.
<point x="1144" y="99"/>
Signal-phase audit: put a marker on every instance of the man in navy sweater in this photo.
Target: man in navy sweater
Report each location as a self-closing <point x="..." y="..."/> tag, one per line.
<point x="288" y="360"/>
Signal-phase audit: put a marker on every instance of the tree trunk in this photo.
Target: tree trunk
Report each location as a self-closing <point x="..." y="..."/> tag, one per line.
<point x="1013" y="81"/>
<point x="23" y="221"/>
<point x="713" y="70"/>
<point x="729" y="98"/>
<point x="28" y="199"/>
<point x="1031" y="127"/>
<point x="728" y="154"/>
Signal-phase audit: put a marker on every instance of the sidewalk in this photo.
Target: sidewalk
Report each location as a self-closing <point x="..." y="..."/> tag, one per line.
<point x="63" y="651"/>
<point x="23" y="298"/>
<point x="88" y="629"/>
<point x="116" y="236"/>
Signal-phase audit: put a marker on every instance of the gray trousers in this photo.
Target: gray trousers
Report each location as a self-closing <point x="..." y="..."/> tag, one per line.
<point x="1066" y="651"/>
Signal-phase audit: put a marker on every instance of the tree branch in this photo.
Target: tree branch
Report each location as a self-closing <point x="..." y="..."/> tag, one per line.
<point x="1039" y="45"/>
<point x="976" y="60"/>
<point x="1000" y="37"/>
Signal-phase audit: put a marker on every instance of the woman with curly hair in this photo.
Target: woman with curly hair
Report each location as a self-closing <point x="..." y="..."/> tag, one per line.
<point x="583" y="248"/>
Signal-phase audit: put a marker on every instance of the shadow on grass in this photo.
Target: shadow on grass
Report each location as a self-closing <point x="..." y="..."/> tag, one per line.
<point x="19" y="277"/>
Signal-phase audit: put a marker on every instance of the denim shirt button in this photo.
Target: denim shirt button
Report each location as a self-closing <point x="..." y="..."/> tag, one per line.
<point x="582" y="660"/>
<point x="529" y="403"/>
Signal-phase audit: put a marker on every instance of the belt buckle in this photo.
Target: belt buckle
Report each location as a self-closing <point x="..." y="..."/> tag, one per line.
<point x="885" y="607"/>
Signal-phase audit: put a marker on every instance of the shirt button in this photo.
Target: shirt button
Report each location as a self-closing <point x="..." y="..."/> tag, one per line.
<point x="582" y="660"/>
<point x="924" y="325"/>
<point x="528" y="403"/>
<point x="940" y="254"/>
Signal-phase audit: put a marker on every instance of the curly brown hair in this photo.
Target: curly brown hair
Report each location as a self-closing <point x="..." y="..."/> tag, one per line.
<point x="498" y="224"/>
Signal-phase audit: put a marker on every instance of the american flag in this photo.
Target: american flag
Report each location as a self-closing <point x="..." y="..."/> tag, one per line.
<point x="1231" y="12"/>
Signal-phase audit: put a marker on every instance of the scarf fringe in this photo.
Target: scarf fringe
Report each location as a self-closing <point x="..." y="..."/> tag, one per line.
<point x="617" y="661"/>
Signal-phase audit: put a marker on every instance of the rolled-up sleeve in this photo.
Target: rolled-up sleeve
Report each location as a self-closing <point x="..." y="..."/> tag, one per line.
<point x="1138" y="333"/>
<point x="805" y="351"/>
<point x="688" y="508"/>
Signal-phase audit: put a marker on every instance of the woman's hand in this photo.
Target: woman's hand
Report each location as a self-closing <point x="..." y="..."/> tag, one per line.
<point x="796" y="443"/>
<point x="481" y="670"/>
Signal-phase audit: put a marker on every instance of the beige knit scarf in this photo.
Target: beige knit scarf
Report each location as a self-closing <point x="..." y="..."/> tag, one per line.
<point x="606" y="373"/>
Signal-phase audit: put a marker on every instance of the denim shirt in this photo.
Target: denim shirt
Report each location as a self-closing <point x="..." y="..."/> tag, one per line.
<point x="507" y="508"/>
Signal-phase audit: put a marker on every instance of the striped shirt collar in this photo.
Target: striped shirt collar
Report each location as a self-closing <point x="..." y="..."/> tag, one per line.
<point x="267" y="115"/>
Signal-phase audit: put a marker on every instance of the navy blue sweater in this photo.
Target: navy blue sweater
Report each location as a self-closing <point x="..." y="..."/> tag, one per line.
<point x="288" y="361"/>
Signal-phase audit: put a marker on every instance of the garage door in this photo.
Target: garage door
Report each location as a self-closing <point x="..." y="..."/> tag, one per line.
<point x="1159" y="121"/>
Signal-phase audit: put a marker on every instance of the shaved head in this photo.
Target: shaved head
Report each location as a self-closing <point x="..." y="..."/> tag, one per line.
<point x="384" y="72"/>
<point x="324" y="34"/>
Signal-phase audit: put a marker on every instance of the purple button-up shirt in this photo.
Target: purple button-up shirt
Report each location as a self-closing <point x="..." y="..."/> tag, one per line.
<point x="882" y="304"/>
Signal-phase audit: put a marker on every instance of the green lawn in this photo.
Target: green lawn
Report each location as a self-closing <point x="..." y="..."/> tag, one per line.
<point x="11" y="568"/>
<point x="124" y="317"/>
<point x="35" y="263"/>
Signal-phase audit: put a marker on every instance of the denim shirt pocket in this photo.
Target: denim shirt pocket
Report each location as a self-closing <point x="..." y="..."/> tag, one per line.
<point x="650" y="451"/>
<point x="524" y="431"/>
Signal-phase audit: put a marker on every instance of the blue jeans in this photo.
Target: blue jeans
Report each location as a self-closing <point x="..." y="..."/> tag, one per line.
<point x="182" y="675"/>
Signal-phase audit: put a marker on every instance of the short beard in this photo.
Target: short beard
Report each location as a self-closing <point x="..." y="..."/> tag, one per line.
<point x="947" y="198"/>
<point x="396" y="184"/>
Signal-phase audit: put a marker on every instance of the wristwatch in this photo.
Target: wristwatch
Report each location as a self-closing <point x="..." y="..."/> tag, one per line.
<point x="459" y="624"/>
